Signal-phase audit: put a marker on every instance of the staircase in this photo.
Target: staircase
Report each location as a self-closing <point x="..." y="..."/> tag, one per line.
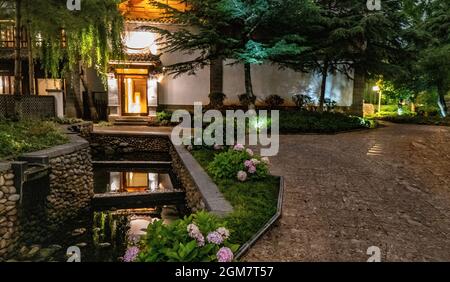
<point x="132" y="121"/>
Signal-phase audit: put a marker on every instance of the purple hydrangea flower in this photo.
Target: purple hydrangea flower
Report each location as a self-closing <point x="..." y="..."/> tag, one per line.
<point x="252" y="169"/>
<point x="215" y="238"/>
<point x="248" y="163"/>
<point x="225" y="255"/>
<point x="131" y="254"/>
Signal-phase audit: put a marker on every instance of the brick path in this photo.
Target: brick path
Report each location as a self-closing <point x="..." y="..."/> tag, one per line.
<point x="388" y="187"/>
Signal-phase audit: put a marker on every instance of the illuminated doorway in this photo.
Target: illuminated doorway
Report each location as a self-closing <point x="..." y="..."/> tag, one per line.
<point x="134" y="95"/>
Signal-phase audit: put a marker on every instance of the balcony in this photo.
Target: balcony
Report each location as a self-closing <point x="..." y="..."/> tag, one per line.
<point x="7" y="35"/>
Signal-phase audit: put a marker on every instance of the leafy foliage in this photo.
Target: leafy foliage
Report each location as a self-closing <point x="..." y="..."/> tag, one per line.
<point x="274" y="101"/>
<point x="26" y="136"/>
<point x="315" y="122"/>
<point x="172" y="243"/>
<point x="226" y="165"/>
<point x="254" y="202"/>
<point x="216" y="100"/>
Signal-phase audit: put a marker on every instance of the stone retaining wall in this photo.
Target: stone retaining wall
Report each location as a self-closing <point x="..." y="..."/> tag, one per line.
<point x="71" y="188"/>
<point x="201" y="192"/>
<point x="8" y="210"/>
<point x="111" y="143"/>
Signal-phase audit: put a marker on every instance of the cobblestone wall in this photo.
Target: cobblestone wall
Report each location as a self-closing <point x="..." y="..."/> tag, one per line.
<point x="8" y="211"/>
<point x="71" y="188"/>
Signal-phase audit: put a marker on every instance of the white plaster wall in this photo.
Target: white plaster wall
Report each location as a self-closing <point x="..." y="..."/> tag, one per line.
<point x="271" y="80"/>
<point x="184" y="89"/>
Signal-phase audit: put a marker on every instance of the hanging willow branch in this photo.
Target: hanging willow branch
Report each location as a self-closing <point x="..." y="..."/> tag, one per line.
<point x="66" y="38"/>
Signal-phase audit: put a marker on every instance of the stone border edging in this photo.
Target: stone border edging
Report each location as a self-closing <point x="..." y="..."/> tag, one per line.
<point x="213" y="198"/>
<point x="246" y="247"/>
<point x="76" y="143"/>
<point x="4" y="166"/>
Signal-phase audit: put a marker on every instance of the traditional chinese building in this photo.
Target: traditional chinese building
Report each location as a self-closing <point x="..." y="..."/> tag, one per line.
<point x="137" y="86"/>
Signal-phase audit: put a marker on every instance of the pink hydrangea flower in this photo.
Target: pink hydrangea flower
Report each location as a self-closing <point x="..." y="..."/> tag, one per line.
<point x="248" y="163"/>
<point x="225" y="233"/>
<point x="194" y="233"/>
<point x="131" y="254"/>
<point x="239" y="147"/>
<point x="250" y="152"/>
<point x="217" y="147"/>
<point x="242" y="176"/>
<point x="215" y="238"/>
<point x="225" y="255"/>
<point x="252" y="169"/>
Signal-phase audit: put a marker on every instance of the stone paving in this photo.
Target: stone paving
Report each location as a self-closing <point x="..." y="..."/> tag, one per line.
<point x="388" y="187"/>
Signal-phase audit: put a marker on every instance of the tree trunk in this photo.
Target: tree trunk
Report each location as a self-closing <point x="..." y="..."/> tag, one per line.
<point x="216" y="76"/>
<point x="442" y="104"/>
<point x="249" y="85"/>
<point x="73" y="100"/>
<point x="92" y="109"/>
<point x="17" y="59"/>
<point x="30" y="61"/>
<point x="323" y="87"/>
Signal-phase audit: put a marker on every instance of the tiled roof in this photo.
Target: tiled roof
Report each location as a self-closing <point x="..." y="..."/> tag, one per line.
<point x="146" y="58"/>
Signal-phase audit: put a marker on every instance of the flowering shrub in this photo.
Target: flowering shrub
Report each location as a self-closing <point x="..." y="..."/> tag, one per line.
<point x="200" y="237"/>
<point x="131" y="254"/>
<point x="238" y="162"/>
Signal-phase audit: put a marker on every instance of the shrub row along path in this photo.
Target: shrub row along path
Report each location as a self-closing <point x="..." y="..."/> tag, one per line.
<point x="388" y="187"/>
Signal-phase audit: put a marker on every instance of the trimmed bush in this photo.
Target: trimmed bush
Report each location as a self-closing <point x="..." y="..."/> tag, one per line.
<point x="315" y="122"/>
<point x="216" y="100"/>
<point x="274" y="101"/>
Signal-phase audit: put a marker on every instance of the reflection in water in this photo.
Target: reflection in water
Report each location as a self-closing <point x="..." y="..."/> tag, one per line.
<point x="129" y="182"/>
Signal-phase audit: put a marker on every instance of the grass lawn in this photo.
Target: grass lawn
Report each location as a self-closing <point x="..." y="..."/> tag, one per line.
<point x="254" y="202"/>
<point x="21" y="137"/>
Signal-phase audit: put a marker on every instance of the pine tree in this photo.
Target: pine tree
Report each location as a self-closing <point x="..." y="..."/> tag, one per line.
<point x="227" y="29"/>
<point x="346" y="37"/>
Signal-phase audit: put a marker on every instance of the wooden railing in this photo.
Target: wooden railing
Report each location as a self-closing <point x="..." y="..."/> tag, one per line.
<point x="7" y="35"/>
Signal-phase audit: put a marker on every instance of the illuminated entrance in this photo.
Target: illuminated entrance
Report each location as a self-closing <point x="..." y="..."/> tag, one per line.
<point x="133" y="88"/>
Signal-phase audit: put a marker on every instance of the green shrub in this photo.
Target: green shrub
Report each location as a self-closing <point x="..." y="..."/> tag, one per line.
<point x="254" y="202"/>
<point x="228" y="164"/>
<point x="21" y="137"/>
<point x="246" y="101"/>
<point x="274" y="101"/>
<point x="185" y="240"/>
<point x="65" y="120"/>
<point x="216" y="99"/>
<point x="301" y="101"/>
<point x="164" y="118"/>
<point x="315" y="122"/>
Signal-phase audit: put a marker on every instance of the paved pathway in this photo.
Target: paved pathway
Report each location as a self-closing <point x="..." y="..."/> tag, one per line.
<point x="388" y="187"/>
